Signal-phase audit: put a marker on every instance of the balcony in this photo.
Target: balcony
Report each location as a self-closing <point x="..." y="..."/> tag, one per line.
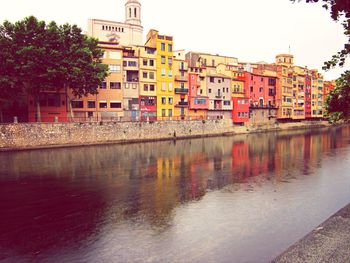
<point x="181" y="78"/>
<point x="182" y="104"/>
<point x="181" y="91"/>
<point x="218" y="96"/>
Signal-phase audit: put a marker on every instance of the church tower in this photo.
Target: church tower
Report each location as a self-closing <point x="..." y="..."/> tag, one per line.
<point x="133" y="12"/>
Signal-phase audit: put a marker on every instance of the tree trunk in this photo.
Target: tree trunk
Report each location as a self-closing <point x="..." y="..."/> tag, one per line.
<point x="71" y="115"/>
<point x="38" y="112"/>
<point x="1" y="116"/>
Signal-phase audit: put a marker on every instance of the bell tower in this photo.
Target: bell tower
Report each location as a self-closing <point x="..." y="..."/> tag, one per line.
<point x="133" y="12"/>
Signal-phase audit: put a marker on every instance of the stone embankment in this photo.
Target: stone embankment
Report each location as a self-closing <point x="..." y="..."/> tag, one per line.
<point x="19" y="136"/>
<point x="328" y="243"/>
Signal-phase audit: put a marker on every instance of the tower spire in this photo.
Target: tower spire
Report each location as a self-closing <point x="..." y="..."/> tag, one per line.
<point x="133" y="12"/>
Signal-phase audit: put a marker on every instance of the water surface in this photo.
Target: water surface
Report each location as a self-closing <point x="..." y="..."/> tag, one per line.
<point x="230" y="199"/>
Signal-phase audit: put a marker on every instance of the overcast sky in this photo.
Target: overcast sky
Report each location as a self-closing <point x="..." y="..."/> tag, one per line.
<point x="251" y="30"/>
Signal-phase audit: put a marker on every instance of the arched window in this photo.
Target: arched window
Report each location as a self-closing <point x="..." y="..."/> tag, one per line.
<point x="135" y="12"/>
<point x="129" y="12"/>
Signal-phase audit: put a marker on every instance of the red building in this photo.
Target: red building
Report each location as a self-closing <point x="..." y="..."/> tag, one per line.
<point x="53" y="105"/>
<point x="240" y="102"/>
<point x="148" y="108"/>
<point x="240" y="112"/>
<point x="197" y="100"/>
<point x="260" y="89"/>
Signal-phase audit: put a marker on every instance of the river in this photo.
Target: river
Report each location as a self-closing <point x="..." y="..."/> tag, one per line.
<point x="244" y="198"/>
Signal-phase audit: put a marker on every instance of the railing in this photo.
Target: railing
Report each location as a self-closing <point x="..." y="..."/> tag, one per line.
<point x="181" y="91"/>
<point x="218" y="96"/>
<point x="131" y="85"/>
<point x="262" y="107"/>
<point x="182" y="104"/>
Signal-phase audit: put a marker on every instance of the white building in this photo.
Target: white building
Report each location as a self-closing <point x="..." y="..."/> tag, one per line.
<point x="125" y="34"/>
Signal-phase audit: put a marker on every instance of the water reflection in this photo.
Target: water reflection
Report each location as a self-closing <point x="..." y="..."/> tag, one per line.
<point x="57" y="202"/>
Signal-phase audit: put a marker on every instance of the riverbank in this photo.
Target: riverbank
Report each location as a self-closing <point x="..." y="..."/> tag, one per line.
<point x="24" y="136"/>
<point x="327" y="243"/>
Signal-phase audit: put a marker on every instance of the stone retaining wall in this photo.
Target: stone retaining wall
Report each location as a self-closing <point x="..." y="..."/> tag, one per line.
<point x="41" y="135"/>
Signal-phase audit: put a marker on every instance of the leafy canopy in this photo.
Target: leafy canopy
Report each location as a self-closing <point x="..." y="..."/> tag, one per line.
<point x="37" y="57"/>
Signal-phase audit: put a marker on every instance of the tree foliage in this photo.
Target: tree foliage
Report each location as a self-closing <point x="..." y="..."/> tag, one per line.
<point x="338" y="102"/>
<point x="37" y="57"/>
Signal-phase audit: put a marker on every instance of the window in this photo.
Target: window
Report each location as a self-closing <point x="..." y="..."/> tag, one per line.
<point x="211" y="79"/>
<point x="251" y="89"/>
<point x="170" y="73"/>
<point x="103" y="104"/>
<point x="151" y="62"/>
<point x="170" y="48"/>
<point x="103" y="85"/>
<point x="163" y="59"/>
<point x="162" y="46"/>
<point x="219" y="80"/>
<point x="53" y="100"/>
<point x="115" y="85"/>
<point x="170" y="100"/>
<point x="144" y="75"/>
<point x="132" y="63"/>
<point x="260" y="89"/>
<point x="135" y="12"/>
<point x="144" y="62"/>
<point x="77" y="104"/>
<point x="163" y="86"/>
<point x="262" y="79"/>
<point x="209" y="91"/>
<point x="91" y="104"/>
<point x="116" y="105"/>
<point x="170" y="112"/>
<point x="151" y="87"/>
<point x="170" y="60"/>
<point x="163" y="72"/>
<point x="163" y="100"/>
<point x="163" y="113"/>
<point x="151" y="75"/>
<point x="145" y="87"/>
<point x="199" y="101"/>
<point x="227" y="90"/>
<point x="114" y="68"/>
<point x="170" y="86"/>
<point x="227" y="103"/>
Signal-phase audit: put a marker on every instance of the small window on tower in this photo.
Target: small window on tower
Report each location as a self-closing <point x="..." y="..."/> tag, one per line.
<point x="135" y="12"/>
<point x="129" y="12"/>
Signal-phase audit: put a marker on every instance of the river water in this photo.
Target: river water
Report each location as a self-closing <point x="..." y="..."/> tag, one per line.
<point x="244" y="198"/>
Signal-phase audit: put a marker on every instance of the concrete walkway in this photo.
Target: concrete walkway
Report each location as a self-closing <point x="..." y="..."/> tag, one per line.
<point x="328" y="243"/>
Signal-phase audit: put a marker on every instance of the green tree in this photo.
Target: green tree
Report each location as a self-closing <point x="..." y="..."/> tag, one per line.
<point x="43" y="57"/>
<point x="338" y="102"/>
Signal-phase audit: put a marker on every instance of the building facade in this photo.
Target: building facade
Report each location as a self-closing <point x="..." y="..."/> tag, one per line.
<point x="125" y="33"/>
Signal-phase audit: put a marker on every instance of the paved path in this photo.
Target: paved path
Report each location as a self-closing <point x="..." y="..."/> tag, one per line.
<point x="329" y="243"/>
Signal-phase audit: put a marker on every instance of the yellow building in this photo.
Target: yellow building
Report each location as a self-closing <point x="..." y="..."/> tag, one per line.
<point x="148" y="82"/>
<point x="165" y="75"/>
<point x="284" y="92"/>
<point x="181" y="85"/>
